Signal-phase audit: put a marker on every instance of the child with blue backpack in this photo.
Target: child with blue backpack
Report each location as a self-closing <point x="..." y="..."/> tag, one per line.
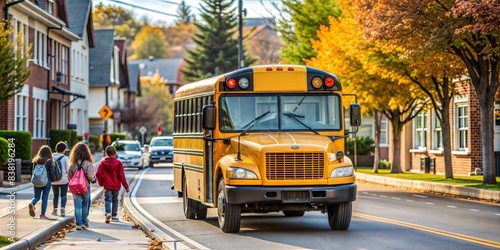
<point x="41" y="180"/>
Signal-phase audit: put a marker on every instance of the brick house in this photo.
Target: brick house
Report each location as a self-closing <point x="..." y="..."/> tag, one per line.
<point x="425" y="137"/>
<point x="41" y="104"/>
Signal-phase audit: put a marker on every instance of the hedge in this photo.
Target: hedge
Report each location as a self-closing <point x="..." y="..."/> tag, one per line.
<point x="22" y="142"/>
<point x="120" y="136"/>
<point x="4" y="151"/>
<point x="57" y="135"/>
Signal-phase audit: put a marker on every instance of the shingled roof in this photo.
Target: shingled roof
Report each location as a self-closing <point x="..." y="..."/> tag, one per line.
<point x="78" y="13"/>
<point x="100" y="58"/>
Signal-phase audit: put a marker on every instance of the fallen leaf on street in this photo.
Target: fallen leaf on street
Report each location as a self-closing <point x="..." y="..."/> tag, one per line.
<point x="99" y="239"/>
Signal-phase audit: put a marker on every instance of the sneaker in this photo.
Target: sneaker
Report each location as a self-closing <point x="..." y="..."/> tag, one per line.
<point x="85" y="226"/>
<point x="54" y="212"/>
<point x="43" y="216"/>
<point x="32" y="210"/>
<point x="108" y="217"/>
<point x="63" y="212"/>
<point x="115" y="219"/>
<point x="79" y="228"/>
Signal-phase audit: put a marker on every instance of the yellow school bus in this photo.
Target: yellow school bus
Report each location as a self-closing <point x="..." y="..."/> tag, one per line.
<point x="264" y="139"/>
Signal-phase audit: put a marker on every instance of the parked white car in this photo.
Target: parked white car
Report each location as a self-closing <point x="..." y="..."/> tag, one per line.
<point x="129" y="152"/>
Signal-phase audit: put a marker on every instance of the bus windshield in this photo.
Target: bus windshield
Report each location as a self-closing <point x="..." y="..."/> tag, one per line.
<point x="280" y="112"/>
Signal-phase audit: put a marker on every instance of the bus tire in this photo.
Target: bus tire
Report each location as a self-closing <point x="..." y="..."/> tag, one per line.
<point x="339" y="215"/>
<point x="294" y="213"/>
<point x="188" y="204"/>
<point x="201" y="211"/>
<point x="229" y="215"/>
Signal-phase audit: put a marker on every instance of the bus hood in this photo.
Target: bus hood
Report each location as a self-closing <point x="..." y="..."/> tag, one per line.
<point x="255" y="145"/>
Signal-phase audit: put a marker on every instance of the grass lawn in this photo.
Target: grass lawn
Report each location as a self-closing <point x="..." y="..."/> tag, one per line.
<point x="475" y="181"/>
<point x="4" y="241"/>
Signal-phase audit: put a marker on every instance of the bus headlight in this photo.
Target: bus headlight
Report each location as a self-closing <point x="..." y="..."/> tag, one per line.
<point x="342" y="172"/>
<point x="240" y="173"/>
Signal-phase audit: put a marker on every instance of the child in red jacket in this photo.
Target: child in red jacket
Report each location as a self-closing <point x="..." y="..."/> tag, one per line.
<point x="111" y="176"/>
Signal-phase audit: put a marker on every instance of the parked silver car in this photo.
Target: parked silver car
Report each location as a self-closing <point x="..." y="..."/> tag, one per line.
<point x="161" y="150"/>
<point x="129" y="152"/>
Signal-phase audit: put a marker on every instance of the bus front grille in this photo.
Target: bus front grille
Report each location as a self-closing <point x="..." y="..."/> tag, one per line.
<point x="295" y="166"/>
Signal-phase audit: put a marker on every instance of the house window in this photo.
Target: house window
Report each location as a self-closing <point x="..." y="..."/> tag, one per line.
<point x="384" y="135"/>
<point x="420" y="125"/>
<point x="462" y="126"/>
<point x="50" y="6"/>
<point x="21" y="113"/>
<point x="497" y="116"/>
<point x="39" y="109"/>
<point x="437" y="133"/>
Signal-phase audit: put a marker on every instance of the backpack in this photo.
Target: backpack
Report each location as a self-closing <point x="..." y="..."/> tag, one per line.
<point x="78" y="184"/>
<point x="56" y="170"/>
<point x="39" y="177"/>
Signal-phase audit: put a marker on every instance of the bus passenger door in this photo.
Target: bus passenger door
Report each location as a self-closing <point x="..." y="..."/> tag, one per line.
<point x="209" y="167"/>
<point x="209" y="124"/>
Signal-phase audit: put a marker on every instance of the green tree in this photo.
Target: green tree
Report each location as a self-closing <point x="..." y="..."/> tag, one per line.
<point x="14" y="69"/>
<point x="468" y="29"/>
<point x="306" y="17"/>
<point x="217" y="48"/>
<point x="184" y="13"/>
<point x="150" y="42"/>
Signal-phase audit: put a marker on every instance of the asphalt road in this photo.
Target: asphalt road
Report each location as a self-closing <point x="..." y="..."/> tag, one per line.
<point x="383" y="218"/>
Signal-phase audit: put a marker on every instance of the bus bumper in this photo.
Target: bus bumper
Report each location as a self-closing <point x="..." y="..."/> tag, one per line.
<point x="275" y="195"/>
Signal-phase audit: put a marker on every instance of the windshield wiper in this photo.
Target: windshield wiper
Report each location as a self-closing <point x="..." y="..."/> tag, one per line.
<point x="294" y="117"/>
<point x="251" y="123"/>
<point x="254" y="120"/>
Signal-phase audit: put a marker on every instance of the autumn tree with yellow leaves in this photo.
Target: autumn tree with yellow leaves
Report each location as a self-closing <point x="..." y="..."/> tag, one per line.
<point x="368" y="70"/>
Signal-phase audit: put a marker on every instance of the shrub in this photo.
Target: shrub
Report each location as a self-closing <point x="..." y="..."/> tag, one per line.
<point x="4" y="151"/>
<point x="364" y="146"/>
<point x="22" y="141"/>
<point x="57" y="135"/>
<point x="120" y="136"/>
<point x="384" y="164"/>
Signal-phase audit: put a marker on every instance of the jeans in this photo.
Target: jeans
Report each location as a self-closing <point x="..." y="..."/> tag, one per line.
<point x="111" y="202"/>
<point x="64" y="192"/>
<point x="44" y="192"/>
<point x="81" y="203"/>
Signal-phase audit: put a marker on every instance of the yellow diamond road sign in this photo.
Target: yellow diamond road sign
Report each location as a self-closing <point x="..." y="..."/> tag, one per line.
<point x="105" y="112"/>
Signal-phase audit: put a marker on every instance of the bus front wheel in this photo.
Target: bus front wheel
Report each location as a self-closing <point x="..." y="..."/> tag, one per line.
<point x="339" y="215"/>
<point x="188" y="204"/>
<point x="229" y="214"/>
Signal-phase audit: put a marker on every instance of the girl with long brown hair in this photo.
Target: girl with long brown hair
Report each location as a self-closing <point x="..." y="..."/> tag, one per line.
<point x="44" y="157"/>
<point x="81" y="157"/>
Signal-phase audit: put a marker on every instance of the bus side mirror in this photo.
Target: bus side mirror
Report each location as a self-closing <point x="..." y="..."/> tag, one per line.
<point x="208" y="118"/>
<point x="355" y="114"/>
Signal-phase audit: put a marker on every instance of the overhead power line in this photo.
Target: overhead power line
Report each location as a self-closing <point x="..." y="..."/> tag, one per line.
<point x="142" y="8"/>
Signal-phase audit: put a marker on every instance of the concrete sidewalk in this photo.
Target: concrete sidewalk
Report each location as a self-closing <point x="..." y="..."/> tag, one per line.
<point x="34" y="232"/>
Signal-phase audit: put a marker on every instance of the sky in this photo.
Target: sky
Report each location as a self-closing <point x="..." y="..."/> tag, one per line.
<point x="166" y="10"/>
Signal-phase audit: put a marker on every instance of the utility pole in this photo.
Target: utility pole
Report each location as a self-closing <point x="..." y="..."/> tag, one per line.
<point x="241" y="62"/>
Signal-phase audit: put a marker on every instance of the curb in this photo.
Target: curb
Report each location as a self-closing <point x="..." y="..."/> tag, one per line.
<point x="460" y="191"/>
<point x="37" y="238"/>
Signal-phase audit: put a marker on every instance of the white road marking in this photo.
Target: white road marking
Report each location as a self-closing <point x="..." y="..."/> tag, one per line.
<point x="474" y="210"/>
<point x="429" y="203"/>
<point x="421" y="196"/>
<point x="396" y="198"/>
<point x="410" y="200"/>
<point x="449" y="206"/>
<point x="383" y="196"/>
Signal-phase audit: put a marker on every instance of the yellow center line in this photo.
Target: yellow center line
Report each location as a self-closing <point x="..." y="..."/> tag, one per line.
<point x="458" y="236"/>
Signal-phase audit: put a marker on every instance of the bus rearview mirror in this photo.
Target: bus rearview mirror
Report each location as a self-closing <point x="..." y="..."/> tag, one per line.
<point x="355" y="114"/>
<point x="209" y="114"/>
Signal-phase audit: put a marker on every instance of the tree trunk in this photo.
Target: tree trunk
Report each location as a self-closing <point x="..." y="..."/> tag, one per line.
<point x="446" y="129"/>
<point x="396" y="142"/>
<point x="378" y="120"/>
<point x="487" y="133"/>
